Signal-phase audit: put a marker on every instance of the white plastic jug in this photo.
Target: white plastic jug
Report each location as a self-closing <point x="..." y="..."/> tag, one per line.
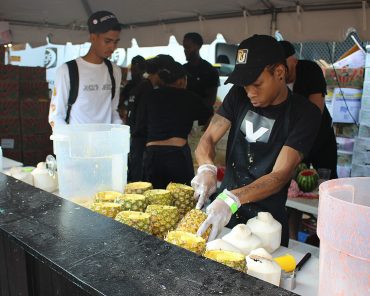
<point x="242" y="238"/>
<point x="267" y="229"/>
<point x="344" y="231"/>
<point x="42" y="179"/>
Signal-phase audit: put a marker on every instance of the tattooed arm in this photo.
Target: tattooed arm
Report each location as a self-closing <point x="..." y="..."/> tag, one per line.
<point x="271" y="183"/>
<point x="205" y="151"/>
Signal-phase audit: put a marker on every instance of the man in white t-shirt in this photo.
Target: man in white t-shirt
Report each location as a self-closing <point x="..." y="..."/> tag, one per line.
<point x="94" y="102"/>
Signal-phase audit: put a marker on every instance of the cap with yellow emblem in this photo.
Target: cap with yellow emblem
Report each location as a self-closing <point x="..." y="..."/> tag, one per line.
<point x="253" y="55"/>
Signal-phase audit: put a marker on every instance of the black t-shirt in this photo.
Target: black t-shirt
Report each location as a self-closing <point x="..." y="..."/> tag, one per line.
<point x="135" y="107"/>
<point x="201" y="77"/>
<point x="310" y="80"/>
<point x="171" y="112"/>
<point x="304" y="118"/>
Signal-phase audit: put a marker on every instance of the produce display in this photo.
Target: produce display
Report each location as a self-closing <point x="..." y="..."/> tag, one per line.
<point x="137" y="220"/>
<point x="132" y="202"/>
<point x="307" y="180"/>
<point x="231" y="259"/>
<point x="159" y="197"/>
<point x="183" y="197"/>
<point x="171" y="215"/>
<point x="163" y="219"/>
<point x="187" y="241"/>
<point x="192" y="221"/>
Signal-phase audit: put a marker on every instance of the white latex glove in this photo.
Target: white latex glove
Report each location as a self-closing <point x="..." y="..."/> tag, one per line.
<point x="219" y="213"/>
<point x="204" y="183"/>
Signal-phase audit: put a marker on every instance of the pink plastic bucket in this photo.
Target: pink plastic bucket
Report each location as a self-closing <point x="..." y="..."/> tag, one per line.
<point x="344" y="231"/>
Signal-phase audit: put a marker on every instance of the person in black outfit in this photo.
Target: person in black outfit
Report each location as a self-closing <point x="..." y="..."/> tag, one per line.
<point x="203" y="79"/>
<point x="171" y="110"/>
<point x="308" y="80"/>
<point x="271" y="131"/>
<point x="127" y="100"/>
<point x="138" y="113"/>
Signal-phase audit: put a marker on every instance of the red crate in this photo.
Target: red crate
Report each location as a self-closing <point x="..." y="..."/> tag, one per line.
<point x="13" y="154"/>
<point x="10" y="142"/>
<point x="30" y="126"/>
<point x="33" y="90"/>
<point x="29" y="108"/>
<point x="9" y="89"/>
<point x="32" y="73"/>
<point x="10" y="126"/>
<point x="33" y="157"/>
<point x="32" y="142"/>
<point x="9" y="108"/>
<point x="44" y="106"/>
<point x="9" y="72"/>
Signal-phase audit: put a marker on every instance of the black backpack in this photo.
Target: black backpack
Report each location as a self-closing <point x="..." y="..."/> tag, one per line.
<point x="74" y="82"/>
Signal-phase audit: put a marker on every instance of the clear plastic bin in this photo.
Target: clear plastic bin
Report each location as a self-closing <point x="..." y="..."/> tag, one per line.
<point x="91" y="158"/>
<point x="360" y="170"/>
<point x="344" y="232"/>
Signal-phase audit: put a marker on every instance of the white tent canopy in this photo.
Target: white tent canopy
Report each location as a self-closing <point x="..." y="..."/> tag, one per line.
<point x="152" y="22"/>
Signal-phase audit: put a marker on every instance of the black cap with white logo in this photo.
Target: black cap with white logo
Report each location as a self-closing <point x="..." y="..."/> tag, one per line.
<point x="254" y="54"/>
<point x="102" y="22"/>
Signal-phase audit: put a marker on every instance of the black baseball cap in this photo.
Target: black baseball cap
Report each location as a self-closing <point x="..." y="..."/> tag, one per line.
<point x="102" y="22"/>
<point x="253" y="55"/>
<point x="288" y="48"/>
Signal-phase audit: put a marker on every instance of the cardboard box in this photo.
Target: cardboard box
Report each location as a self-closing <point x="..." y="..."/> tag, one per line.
<point x="345" y="77"/>
<point x="346" y="105"/>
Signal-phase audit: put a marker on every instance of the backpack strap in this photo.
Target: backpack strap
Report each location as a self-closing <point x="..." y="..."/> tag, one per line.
<point x="110" y="70"/>
<point x="74" y="82"/>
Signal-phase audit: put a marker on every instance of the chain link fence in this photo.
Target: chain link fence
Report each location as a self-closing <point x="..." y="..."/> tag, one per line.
<point x="328" y="51"/>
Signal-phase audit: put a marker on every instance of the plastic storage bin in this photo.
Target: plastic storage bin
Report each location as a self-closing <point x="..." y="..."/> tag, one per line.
<point x="91" y="158"/>
<point x="344" y="232"/>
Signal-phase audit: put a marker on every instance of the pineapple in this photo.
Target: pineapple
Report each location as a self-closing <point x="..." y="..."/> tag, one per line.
<point x="187" y="241"/>
<point x="107" y="196"/>
<point x="132" y="202"/>
<point x="137" y="220"/>
<point x="183" y="197"/>
<point x="231" y="259"/>
<point x="163" y="219"/>
<point x="159" y="197"/>
<point x="109" y="209"/>
<point x="138" y="187"/>
<point x="192" y="221"/>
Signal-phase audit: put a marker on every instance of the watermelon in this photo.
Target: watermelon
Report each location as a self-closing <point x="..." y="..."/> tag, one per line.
<point x="307" y="180"/>
<point x="302" y="166"/>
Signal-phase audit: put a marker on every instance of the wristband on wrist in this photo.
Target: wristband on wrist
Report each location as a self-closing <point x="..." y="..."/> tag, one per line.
<point x="229" y="201"/>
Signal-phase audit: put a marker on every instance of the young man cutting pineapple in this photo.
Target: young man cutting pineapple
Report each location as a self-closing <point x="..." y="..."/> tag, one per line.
<point x="271" y="130"/>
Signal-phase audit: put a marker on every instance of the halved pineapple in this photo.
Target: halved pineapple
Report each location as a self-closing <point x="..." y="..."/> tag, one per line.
<point x="231" y="259"/>
<point x="187" y="241"/>
<point x="138" y="187"/>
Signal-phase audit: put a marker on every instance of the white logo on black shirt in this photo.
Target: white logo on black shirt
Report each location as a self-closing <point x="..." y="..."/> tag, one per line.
<point x="254" y="121"/>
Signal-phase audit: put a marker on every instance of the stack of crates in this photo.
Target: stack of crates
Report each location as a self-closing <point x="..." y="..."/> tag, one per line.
<point x="24" y="129"/>
<point x="361" y="150"/>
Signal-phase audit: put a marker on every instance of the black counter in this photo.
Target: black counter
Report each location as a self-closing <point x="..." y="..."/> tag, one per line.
<point x="50" y="246"/>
